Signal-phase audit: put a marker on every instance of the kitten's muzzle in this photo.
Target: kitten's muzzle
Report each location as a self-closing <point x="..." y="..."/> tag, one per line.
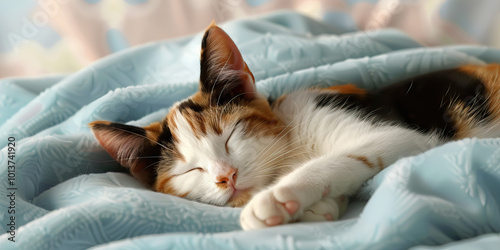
<point x="226" y="176"/>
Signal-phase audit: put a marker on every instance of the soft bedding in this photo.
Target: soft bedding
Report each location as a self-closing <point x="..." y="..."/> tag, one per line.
<point x="67" y="193"/>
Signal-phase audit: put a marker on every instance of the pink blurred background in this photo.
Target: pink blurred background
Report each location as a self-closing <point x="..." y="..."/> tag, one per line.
<point x="63" y="36"/>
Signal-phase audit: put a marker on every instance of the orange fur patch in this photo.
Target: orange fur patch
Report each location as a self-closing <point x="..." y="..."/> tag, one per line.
<point x="197" y="123"/>
<point x="347" y="89"/>
<point x="463" y="116"/>
<point x="362" y="159"/>
<point x="214" y="125"/>
<point x="261" y="119"/>
<point x="463" y="119"/>
<point x="490" y="76"/>
<point x="184" y="194"/>
<point x="153" y="132"/>
<point x="201" y="99"/>
<point x="380" y="163"/>
<point x="93" y="124"/>
<point x="162" y="184"/>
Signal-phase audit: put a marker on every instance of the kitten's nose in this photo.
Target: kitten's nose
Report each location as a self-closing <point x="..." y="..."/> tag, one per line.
<point x="227" y="177"/>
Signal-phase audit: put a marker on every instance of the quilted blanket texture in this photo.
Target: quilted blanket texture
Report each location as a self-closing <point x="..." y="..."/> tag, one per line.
<point x="60" y="190"/>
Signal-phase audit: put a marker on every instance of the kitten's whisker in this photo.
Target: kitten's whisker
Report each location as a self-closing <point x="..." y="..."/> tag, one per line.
<point x="288" y="156"/>
<point x="148" y="166"/>
<point x="280" y="157"/>
<point x="275" y="140"/>
<point x="279" y="137"/>
<point x="285" y="147"/>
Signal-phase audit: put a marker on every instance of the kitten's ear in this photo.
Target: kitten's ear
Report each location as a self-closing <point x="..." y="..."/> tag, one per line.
<point x="133" y="147"/>
<point x="224" y="75"/>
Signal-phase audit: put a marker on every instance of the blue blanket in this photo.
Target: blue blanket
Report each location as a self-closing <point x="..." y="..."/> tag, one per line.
<point x="60" y="190"/>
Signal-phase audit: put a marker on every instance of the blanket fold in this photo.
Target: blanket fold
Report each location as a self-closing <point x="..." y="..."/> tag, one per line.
<point x="70" y="194"/>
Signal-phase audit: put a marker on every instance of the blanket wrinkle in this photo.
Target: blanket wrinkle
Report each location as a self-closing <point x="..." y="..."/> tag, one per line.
<point x="70" y="194"/>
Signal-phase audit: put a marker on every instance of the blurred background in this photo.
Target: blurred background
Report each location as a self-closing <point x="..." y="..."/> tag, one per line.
<point x="39" y="37"/>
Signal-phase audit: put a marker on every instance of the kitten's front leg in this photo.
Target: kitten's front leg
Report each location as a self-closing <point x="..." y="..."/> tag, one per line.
<point x="324" y="177"/>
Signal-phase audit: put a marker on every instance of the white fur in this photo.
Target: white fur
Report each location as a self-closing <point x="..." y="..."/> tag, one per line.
<point x="331" y="136"/>
<point x="250" y="155"/>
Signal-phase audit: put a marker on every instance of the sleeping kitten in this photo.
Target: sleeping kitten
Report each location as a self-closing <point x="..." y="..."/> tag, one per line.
<point x="301" y="157"/>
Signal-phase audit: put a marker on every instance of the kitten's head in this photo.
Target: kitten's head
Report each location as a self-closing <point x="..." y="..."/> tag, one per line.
<point x="219" y="146"/>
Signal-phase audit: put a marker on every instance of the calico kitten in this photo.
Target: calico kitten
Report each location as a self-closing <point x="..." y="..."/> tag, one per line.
<point x="301" y="157"/>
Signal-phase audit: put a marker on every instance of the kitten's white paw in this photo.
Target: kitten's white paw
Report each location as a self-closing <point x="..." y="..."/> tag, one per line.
<point x="276" y="206"/>
<point x="327" y="209"/>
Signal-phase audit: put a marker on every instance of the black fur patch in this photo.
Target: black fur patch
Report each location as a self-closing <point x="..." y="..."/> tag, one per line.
<point x="122" y="127"/>
<point x="203" y="59"/>
<point x="420" y="102"/>
<point x="271" y="100"/>
<point x="165" y="137"/>
<point x="189" y="104"/>
<point x="345" y="101"/>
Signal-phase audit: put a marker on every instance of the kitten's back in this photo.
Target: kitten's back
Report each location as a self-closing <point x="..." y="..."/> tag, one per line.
<point x="455" y="103"/>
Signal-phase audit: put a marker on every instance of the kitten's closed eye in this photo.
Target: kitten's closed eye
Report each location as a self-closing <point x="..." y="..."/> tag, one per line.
<point x="226" y="146"/>
<point x="193" y="169"/>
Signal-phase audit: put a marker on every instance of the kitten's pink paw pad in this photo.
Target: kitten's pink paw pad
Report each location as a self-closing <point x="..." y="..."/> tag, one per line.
<point x="274" y="221"/>
<point x="328" y="217"/>
<point x="292" y="207"/>
<point x="270" y="208"/>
